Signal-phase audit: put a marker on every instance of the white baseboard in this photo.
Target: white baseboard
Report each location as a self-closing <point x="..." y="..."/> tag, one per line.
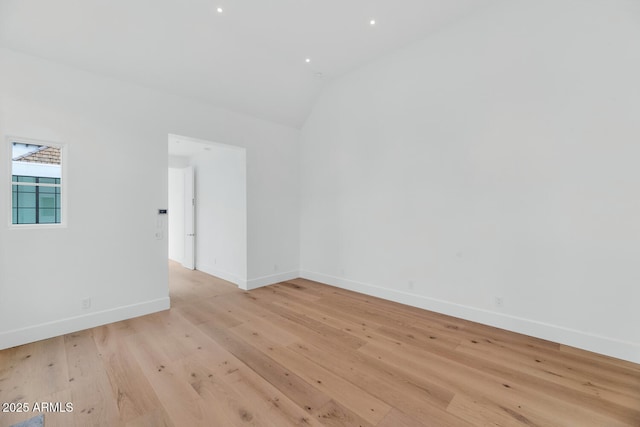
<point x="608" y="346"/>
<point x="179" y="261"/>
<point x="224" y="275"/>
<point x="248" y="284"/>
<point x="271" y="279"/>
<point x="56" y="328"/>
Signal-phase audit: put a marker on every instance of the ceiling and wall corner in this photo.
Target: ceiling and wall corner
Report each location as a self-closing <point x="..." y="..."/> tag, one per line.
<point x="250" y="58"/>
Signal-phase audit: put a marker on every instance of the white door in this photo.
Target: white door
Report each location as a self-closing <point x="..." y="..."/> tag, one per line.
<point x="189" y="219"/>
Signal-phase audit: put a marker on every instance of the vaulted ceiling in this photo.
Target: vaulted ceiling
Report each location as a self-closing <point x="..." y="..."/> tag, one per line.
<point x="246" y="55"/>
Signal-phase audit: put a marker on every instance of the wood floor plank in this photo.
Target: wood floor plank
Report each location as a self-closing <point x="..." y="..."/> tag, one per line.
<point x="35" y="370"/>
<point x="565" y="376"/>
<point x="295" y="292"/>
<point x="480" y="411"/>
<point x="387" y="314"/>
<point x="157" y="418"/>
<point x="395" y="418"/>
<point x="94" y="403"/>
<point x="91" y="390"/>
<point x="508" y="388"/>
<point x="304" y="394"/>
<point x="355" y="399"/>
<point x="180" y="401"/>
<point x="83" y="359"/>
<point x="333" y="414"/>
<point x="408" y="394"/>
<point x="333" y="337"/>
<point x="301" y="353"/>
<point x="610" y="362"/>
<point x="216" y="364"/>
<point x="301" y="325"/>
<point x="220" y="405"/>
<point x="134" y="395"/>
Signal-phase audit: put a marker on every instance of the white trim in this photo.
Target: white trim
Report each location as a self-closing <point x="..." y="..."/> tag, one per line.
<point x="247" y="284"/>
<point x="73" y="324"/>
<point x="224" y="275"/>
<point x="175" y="137"/>
<point x="271" y="279"/>
<point x="179" y="261"/>
<point x="36" y="169"/>
<point x="36" y="184"/>
<point x="600" y="344"/>
<point x="35" y="226"/>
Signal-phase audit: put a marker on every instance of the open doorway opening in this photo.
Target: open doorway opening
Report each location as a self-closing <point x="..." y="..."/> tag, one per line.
<point x="207" y="184"/>
<point x="181" y="227"/>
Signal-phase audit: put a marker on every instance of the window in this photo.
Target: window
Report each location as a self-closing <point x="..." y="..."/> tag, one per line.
<point x="36" y="183"/>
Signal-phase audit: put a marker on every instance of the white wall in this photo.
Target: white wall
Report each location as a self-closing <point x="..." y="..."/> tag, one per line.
<point x="116" y="135"/>
<point x="497" y="158"/>
<point x="177" y="162"/>
<point x="221" y="212"/>
<point x="176" y="215"/>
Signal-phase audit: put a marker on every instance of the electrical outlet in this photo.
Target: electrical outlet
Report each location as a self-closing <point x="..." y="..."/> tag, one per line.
<point x="498" y="301"/>
<point x="86" y="303"/>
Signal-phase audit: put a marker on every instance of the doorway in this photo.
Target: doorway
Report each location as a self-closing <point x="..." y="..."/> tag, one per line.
<point x="216" y="243"/>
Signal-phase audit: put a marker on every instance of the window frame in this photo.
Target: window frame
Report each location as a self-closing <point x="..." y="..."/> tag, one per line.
<point x="63" y="185"/>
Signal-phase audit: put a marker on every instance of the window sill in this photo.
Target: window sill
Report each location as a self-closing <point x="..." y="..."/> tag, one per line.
<point x="36" y="226"/>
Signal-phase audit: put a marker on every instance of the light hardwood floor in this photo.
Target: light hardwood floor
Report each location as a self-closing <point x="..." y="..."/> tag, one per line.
<point x="303" y="353"/>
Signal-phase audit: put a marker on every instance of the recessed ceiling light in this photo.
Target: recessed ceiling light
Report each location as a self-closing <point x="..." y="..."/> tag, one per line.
<point x="219" y="10"/>
<point x="372" y="22"/>
<point x="307" y="60"/>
